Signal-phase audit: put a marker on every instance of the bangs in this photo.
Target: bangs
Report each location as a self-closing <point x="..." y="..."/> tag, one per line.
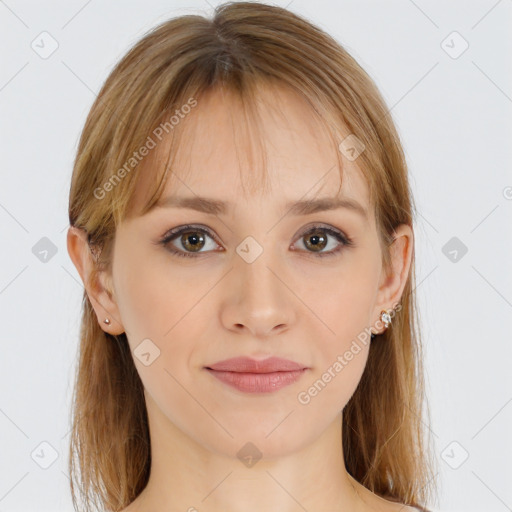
<point x="174" y="141"/>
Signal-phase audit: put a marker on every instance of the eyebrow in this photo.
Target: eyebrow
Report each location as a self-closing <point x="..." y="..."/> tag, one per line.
<point x="303" y="207"/>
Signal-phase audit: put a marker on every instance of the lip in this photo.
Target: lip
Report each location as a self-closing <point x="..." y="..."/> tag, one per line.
<point x="253" y="376"/>
<point x="249" y="365"/>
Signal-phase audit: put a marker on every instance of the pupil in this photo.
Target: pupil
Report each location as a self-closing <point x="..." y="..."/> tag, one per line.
<point x="192" y="241"/>
<point x="316" y="241"/>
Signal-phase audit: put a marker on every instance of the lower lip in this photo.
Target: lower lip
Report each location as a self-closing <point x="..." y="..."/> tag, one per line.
<point x="258" y="382"/>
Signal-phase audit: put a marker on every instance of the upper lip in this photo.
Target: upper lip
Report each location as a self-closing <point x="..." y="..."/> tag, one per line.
<point x="248" y="365"/>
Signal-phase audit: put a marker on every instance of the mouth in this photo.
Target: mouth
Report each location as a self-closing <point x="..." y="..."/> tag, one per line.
<point x="253" y="376"/>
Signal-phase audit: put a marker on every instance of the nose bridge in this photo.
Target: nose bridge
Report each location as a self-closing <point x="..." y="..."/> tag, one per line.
<point x="258" y="298"/>
<point x="252" y="267"/>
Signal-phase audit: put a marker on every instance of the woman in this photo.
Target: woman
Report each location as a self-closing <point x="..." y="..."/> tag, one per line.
<point x="241" y="218"/>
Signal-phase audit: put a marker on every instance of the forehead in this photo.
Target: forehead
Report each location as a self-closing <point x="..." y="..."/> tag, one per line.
<point x="222" y="148"/>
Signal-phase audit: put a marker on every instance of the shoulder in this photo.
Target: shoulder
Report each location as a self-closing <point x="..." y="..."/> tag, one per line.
<point x="384" y="504"/>
<point x="399" y="507"/>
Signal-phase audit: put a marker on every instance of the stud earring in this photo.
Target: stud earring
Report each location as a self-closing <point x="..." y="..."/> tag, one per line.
<point x="385" y="317"/>
<point x="107" y="321"/>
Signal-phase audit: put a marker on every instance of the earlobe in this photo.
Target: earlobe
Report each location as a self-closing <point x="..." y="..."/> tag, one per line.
<point x="101" y="299"/>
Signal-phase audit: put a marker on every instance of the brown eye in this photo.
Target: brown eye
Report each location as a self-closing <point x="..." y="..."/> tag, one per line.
<point x="316" y="240"/>
<point x="189" y="241"/>
<point x="192" y="240"/>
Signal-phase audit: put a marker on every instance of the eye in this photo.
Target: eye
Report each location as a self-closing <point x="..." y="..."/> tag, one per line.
<point x="188" y="241"/>
<point x="188" y="238"/>
<point x="317" y="239"/>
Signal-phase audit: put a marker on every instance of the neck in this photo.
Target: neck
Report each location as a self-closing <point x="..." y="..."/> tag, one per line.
<point x="188" y="476"/>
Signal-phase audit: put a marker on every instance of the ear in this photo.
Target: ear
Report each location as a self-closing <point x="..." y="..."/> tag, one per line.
<point x="98" y="291"/>
<point x="392" y="283"/>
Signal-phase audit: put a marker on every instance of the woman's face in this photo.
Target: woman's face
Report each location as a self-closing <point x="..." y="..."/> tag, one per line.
<point x="258" y="279"/>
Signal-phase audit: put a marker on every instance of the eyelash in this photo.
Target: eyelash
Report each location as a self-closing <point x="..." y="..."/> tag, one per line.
<point x="176" y="232"/>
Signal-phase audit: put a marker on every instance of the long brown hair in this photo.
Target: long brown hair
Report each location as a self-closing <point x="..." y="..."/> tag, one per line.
<point x="243" y="46"/>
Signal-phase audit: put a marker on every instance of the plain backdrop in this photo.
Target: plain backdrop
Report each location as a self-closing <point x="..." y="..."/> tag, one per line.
<point x="445" y="71"/>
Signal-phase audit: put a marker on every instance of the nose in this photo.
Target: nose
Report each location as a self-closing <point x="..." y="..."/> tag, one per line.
<point x="257" y="298"/>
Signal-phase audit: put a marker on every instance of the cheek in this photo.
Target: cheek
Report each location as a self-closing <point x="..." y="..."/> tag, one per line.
<point x="343" y="301"/>
<point x="340" y="356"/>
<point x="159" y="307"/>
<point x="168" y="305"/>
<point x="153" y="294"/>
<point x="343" y="298"/>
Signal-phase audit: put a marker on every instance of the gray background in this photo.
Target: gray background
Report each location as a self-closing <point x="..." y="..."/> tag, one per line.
<point x="453" y="111"/>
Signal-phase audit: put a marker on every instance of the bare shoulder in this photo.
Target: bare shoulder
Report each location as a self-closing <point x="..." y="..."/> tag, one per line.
<point x="393" y="506"/>
<point x="387" y="505"/>
<point x="407" y="508"/>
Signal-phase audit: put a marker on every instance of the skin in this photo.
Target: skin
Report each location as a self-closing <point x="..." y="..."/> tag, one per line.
<point x="289" y="303"/>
